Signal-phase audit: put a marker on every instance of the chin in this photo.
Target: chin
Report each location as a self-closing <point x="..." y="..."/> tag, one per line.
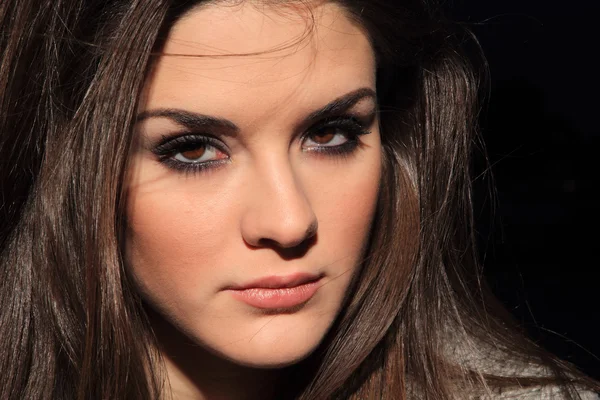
<point x="274" y="355"/>
<point x="273" y="361"/>
<point x="273" y="341"/>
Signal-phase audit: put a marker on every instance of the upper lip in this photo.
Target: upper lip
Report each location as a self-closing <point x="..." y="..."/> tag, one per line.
<point x="278" y="282"/>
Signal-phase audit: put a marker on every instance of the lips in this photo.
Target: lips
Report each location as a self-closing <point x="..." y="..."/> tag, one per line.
<point x="278" y="282"/>
<point x="278" y="292"/>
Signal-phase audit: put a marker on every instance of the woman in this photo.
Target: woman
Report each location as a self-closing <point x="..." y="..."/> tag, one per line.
<point x="246" y="199"/>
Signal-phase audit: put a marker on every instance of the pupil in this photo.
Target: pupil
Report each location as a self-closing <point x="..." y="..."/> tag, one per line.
<point x="194" y="153"/>
<point x="324" y="137"/>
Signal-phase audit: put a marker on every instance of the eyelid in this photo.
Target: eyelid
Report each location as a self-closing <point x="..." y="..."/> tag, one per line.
<point x="353" y="124"/>
<point x="169" y="146"/>
<point x="172" y="144"/>
<point x="361" y="119"/>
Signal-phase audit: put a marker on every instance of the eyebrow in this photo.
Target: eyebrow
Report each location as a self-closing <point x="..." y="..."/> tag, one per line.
<point x="195" y="121"/>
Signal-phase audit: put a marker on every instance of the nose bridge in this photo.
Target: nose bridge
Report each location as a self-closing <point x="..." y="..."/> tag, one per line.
<point x="279" y="210"/>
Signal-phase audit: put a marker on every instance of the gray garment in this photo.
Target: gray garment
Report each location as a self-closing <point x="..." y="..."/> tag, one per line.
<point x="493" y="361"/>
<point x="539" y="393"/>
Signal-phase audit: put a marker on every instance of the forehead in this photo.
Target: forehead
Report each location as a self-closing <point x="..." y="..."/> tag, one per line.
<point x="269" y="57"/>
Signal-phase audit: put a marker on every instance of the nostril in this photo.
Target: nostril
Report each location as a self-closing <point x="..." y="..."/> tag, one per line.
<point x="285" y="238"/>
<point x="291" y="251"/>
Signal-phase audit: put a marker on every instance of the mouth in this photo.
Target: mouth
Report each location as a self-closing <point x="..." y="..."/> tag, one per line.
<point x="278" y="292"/>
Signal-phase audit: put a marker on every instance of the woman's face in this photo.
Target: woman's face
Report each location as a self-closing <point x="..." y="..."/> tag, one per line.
<point x="254" y="182"/>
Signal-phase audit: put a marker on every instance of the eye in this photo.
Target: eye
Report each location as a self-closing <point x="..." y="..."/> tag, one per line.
<point x="334" y="136"/>
<point x="201" y="153"/>
<point x="329" y="137"/>
<point x="191" y="152"/>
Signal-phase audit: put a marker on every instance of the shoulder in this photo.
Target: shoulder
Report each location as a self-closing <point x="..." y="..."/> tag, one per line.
<point x="502" y="364"/>
<point x="536" y="393"/>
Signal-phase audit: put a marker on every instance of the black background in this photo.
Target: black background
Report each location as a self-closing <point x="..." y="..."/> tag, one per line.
<point x="541" y="129"/>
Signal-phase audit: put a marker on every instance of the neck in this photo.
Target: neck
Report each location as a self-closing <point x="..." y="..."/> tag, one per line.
<point x="193" y="373"/>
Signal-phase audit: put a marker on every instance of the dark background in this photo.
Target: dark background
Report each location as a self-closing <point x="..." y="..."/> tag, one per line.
<point x="541" y="129"/>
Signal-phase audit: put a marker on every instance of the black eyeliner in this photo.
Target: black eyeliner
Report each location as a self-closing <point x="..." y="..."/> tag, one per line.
<point x="351" y="125"/>
<point x="190" y="168"/>
<point x="170" y="145"/>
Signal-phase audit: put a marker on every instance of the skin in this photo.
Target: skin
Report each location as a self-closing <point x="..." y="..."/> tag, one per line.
<point x="271" y="206"/>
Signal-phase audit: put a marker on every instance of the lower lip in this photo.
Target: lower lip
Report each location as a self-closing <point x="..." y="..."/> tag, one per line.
<point x="277" y="298"/>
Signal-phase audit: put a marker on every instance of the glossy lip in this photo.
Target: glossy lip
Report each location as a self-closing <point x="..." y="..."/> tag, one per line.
<point x="278" y="292"/>
<point x="278" y="282"/>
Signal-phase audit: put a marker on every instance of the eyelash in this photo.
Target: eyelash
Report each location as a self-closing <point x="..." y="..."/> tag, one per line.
<point x="352" y="127"/>
<point x="169" y="146"/>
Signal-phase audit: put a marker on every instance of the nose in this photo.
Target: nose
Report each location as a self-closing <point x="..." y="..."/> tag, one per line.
<point x="279" y="214"/>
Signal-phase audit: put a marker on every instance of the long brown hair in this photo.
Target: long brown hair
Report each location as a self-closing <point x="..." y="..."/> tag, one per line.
<point x="73" y="326"/>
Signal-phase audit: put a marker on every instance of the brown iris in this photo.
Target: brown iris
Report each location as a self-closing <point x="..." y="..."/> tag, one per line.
<point x="324" y="136"/>
<point x="194" y="154"/>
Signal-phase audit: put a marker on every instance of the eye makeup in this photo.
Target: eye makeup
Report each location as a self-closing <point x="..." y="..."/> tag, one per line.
<point x="348" y="126"/>
<point x="171" y="146"/>
<point x="171" y="149"/>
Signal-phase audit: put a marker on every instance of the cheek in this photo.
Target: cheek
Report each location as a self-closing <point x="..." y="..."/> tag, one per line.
<point x="174" y="236"/>
<point x="345" y="204"/>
